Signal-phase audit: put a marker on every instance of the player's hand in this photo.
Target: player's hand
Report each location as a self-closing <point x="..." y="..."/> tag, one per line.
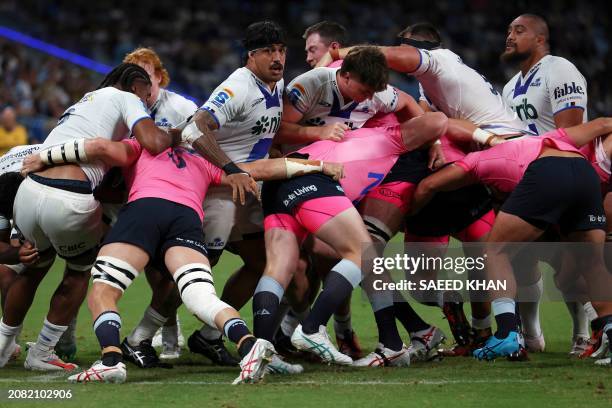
<point x="436" y="157"/>
<point x="495" y="140"/>
<point x="334" y="132"/>
<point x="241" y="184"/>
<point x="28" y="254"/>
<point x="32" y="164"/>
<point x="334" y="170"/>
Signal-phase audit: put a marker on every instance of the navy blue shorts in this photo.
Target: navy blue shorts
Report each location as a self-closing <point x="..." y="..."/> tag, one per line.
<point x="155" y="224"/>
<point x="562" y="191"/>
<point x="410" y="167"/>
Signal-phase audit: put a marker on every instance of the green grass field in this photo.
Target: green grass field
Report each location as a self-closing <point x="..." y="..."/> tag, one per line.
<point x="550" y="379"/>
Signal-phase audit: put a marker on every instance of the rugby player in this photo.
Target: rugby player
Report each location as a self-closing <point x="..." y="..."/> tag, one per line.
<point x="323" y="37"/>
<point x="522" y="168"/>
<point x="69" y="223"/>
<point x="547" y="93"/>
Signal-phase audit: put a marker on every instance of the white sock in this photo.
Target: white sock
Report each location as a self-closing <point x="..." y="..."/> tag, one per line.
<point x="590" y="312"/>
<point x="8" y="335"/>
<point x="579" y="319"/>
<point x="530" y="310"/>
<point x="210" y="333"/>
<point x="146" y="328"/>
<point x="49" y="336"/>
<point x="481" y="324"/>
<point x="289" y="323"/>
<point x="170" y="335"/>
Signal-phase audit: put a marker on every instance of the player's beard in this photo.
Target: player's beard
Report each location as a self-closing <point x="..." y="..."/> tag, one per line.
<point x="514" y="57"/>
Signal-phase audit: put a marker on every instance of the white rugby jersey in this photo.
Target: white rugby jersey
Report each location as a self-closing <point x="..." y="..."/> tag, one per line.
<point x="315" y="94"/>
<point x="11" y="162"/>
<point x="108" y="113"/>
<point x="549" y="87"/>
<point x="247" y="113"/>
<point x="460" y="92"/>
<point x="171" y="109"/>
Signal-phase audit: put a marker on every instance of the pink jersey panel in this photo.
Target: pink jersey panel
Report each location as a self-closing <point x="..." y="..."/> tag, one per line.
<point x="503" y="166"/>
<point x="176" y="175"/>
<point x="367" y="154"/>
<point x="382" y="120"/>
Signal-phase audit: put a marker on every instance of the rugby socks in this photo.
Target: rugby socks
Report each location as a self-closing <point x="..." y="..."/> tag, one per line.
<point x="235" y="329"/>
<point x="145" y="330"/>
<point x="342" y="324"/>
<point x="266" y="301"/>
<point x="503" y="309"/>
<point x="8" y="334"/>
<point x="579" y="319"/>
<point x="170" y="335"/>
<point x="49" y="336"/>
<point x="210" y="333"/>
<point x="589" y="311"/>
<point x="339" y="284"/>
<point x="407" y="316"/>
<point x="107" y="327"/>
<point x="292" y="319"/>
<point x="529" y="310"/>
<point x="384" y="314"/>
<point x="481" y="324"/>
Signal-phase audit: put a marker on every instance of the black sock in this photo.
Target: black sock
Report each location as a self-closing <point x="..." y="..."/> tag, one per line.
<point x="235" y="329"/>
<point x="107" y="327"/>
<point x="387" y="329"/>
<point x="246" y="346"/>
<point x="112" y="358"/>
<point x="506" y="322"/>
<point x="597" y="324"/>
<point x="407" y="316"/>
<point x="265" y="308"/>
<point x="336" y="289"/>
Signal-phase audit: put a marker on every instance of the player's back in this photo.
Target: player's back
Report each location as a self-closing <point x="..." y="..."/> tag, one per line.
<point x="367" y="154"/>
<point x="461" y="92"/>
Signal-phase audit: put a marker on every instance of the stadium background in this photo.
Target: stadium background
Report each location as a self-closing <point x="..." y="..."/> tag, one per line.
<point x="199" y="43"/>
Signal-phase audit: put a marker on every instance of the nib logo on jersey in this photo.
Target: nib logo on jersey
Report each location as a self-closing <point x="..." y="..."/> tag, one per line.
<point x="526" y="110"/>
<point x="567" y="90"/>
<point x="267" y="124"/>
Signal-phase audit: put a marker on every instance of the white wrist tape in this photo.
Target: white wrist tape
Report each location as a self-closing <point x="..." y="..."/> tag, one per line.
<point x="69" y="152"/>
<point x="297" y="169"/>
<point x="191" y="133"/>
<point x="481" y="136"/>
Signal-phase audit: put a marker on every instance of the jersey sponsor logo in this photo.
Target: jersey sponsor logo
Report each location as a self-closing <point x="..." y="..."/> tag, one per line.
<point x="299" y="192"/>
<point x="526" y="110"/>
<point x="222" y="97"/>
<point x="568" y="89"/>
<point x="216" y="243"/>
<point x="267" y="125"/>
<point x="257" y="101"/>
<point x="537" y="82"/>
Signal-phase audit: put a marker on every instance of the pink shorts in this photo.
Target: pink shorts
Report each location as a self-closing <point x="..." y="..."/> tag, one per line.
<point x="472" y="233"/>
<point x="396" y="193"/>
<point x="308" y="216"/>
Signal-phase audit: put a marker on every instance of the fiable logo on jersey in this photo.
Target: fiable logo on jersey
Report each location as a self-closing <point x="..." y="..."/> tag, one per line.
<point x="567" y="90"/>
<point x="222" y="96"/>
<point x="296" y="93"/>
<point x="526" y="110"/>
<point x="267" y="125"/>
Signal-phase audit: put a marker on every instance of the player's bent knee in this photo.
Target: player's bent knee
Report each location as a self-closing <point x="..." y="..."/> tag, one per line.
<point x="197" y="290"/>
<point x="113" y="272"/>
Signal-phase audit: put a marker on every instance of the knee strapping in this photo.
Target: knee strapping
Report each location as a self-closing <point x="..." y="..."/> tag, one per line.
<point x="195" y="284"/>
<point x="114" y="272"/>
<point x="377" y="229"/>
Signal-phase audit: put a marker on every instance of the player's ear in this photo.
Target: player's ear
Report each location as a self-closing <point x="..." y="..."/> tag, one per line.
<point x="334" y="45"/>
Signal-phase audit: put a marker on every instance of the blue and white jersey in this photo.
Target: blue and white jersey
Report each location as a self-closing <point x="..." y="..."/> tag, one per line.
<point x="551" y="86"/>
<point x="248" y="115"/>
<point x="11" y="162"/>
<point x="315" y="94"/>
<point x="171" y="110"/>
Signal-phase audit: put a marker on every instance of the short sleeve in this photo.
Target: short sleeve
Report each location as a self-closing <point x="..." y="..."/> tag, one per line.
<point x="425" y="61"/>
<point x="215" y="173"/>
<point x="567" y="88"/>
<point x="132" y="109"/>
<point x="387" y="100"/>
<point x="303" y="90"/>
<point x="226" y="102"/>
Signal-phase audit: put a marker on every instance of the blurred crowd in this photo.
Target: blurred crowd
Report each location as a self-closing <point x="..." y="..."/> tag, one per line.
<point x="200" y="42"/>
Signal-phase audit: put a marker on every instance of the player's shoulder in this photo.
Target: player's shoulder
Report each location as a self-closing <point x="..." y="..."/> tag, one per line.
<point x="319" y="75"/>
<point x="554" y="65"/>
<point x="177" y="101"/>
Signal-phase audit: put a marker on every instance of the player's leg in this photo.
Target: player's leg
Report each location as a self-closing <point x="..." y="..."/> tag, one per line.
<point x="193" y="276"/>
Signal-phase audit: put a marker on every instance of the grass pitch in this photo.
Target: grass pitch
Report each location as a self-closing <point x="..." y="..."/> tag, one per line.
<point x="548" y="380"/>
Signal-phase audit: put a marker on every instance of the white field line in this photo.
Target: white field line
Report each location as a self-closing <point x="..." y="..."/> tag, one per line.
<point x="55" y="379"/>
